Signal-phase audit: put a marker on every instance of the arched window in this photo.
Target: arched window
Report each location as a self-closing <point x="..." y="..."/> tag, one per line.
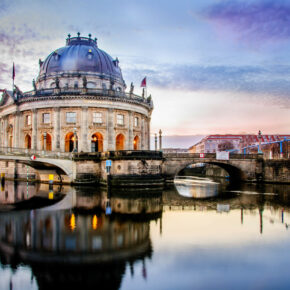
<point x="27" y="141"/>
<point x="136" y="143"/>
<point x="120" y="142"/>
<point x="97" y="142"/>
<point x="69" y="142"/>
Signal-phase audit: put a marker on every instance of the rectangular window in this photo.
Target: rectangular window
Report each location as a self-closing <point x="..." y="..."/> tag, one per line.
<point x="97" y="118"/>
<point x="71" y="117"/>
<point x="120" y="119"/>
<point x="136" y="121"/>
<point x="46" y="118"/>
<point x="28" y="120"/>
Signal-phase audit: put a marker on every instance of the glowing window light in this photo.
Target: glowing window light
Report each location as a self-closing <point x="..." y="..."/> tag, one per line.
<point x="72" y="222"/>
<point x="95" y="222"/>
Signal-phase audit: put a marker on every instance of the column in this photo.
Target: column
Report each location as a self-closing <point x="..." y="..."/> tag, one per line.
<point x="5" y="136"/>
<point x="34" y="130"/>
<point x="16" y="130"/>
<point x="84" y="130"/>
<point x="110" y="130"/>
<point x="56" y="130"/>
<point x="130" y="132"/>
<point x="148" y="130"/>
<point x="142" y="134"/>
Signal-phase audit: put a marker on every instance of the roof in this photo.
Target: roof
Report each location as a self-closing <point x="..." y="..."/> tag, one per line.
<point x="81" y="54"/>
<point x="247" y="138"/>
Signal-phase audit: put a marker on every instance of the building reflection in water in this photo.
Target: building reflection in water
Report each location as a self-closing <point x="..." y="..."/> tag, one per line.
<point x="13" y="193"/>
<point x="76" y="243"/>
<point x="81" y="246"/>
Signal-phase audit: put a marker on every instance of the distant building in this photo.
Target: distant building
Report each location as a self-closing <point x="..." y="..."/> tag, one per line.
<point x="174" y="150"/>
<point x="215" y="143"/>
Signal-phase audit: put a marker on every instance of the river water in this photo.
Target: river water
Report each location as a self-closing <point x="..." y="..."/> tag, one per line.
<point x="198" y="234"/>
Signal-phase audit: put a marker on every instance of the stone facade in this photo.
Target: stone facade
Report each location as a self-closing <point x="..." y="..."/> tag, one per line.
<point x="81" y="107"/>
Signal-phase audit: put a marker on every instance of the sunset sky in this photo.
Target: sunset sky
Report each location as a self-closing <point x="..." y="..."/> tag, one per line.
<point x="212" y="66"/>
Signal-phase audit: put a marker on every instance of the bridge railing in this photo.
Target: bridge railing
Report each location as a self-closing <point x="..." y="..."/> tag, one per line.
<point x="208" y="156"/>
<point x="38" y="153"/>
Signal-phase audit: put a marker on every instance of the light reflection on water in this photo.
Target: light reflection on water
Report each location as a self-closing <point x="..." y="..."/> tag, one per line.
<point x="237" y="237"/>
<point x="196" y="187"/>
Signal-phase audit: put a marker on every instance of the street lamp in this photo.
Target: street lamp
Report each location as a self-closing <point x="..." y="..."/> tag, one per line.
<point x="160" y="140"/>
<point x="75" y="140"/>
<point x="260" y="138"/>
<point x="155" y="142"/>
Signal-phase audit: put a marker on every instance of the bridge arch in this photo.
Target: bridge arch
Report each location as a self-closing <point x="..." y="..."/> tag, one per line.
<point x="171" y="168"/>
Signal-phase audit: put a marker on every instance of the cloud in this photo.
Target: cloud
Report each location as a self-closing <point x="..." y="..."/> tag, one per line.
<point x="252" y="21"/>
<point x="3" y="70"/>
<point x="270" y="80"/>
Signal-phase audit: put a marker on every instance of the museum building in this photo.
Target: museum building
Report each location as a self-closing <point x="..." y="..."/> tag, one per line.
<point x="78" y="103"/>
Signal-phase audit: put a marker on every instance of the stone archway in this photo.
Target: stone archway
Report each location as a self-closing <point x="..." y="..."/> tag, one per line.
<point x="97" y="142"/>
<point x="46" y="142"/>
<point x="136" y="143"/>
<point x="120" y="142"/>
<point x="27" y="141"/>
<point x="69" y="142"/>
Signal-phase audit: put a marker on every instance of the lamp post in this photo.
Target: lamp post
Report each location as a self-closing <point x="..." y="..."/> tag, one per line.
<point x="44" y="141"/>
<point x="155" y="142"/>
<point x="75" y="140"/>
<point x="260" y="138"/>
<point x="160" y="140"/>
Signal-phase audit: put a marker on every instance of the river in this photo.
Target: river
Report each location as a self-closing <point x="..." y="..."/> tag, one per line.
<point x="198" y="234"/>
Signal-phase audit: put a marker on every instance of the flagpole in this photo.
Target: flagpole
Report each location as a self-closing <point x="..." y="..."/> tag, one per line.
<point x="13" y="77"/>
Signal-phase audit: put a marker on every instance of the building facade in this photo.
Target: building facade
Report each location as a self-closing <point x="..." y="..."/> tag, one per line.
<point x="236" y="143"/>
<point x="78" y="103"/>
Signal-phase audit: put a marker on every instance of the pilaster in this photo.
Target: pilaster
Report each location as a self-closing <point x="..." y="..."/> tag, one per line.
<point x="130" y="132"/>
<point x="34" y="129"/>
<point x="84" y="133"/>
<point x="110" y="130"/>
<point x="56" y="130"/>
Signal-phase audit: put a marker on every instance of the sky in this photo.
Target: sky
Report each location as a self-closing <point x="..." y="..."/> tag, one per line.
<point x="212" y="66"/>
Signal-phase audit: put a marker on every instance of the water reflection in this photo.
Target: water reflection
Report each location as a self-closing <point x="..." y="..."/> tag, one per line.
<point x="150" y="239"/>
<point x="29" y="195"/>
<point x="75" y="244"/>
<point x="197" y="187"/>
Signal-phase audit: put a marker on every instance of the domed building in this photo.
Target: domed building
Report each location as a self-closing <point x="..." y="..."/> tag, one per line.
<point x="78" y="103"/>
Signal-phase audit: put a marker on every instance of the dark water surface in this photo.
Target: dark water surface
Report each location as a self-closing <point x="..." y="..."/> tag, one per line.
<point x="200" y="234"/>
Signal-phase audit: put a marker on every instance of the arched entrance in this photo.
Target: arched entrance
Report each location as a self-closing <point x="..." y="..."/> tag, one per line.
<point x="69" y="142"/>
<point x="46" y="142"/>
<point x="27" y="141"/>
<point x="97" y="142"/>
<point x="120" y="142"/>
<point x="136" y="143"/>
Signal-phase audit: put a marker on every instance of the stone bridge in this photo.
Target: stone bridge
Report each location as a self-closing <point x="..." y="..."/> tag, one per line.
<point x="131" y="168"/>
<point x="239" y="166"/>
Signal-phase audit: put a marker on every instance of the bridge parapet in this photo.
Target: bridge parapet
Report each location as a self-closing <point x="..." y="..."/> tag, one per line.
<point x="210" y="156"/>
<point x="117" y="155"/>
<point x="38" y="153"/>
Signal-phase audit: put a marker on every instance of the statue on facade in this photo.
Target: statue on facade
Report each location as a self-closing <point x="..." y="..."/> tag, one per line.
<point x="17" y="92"/>
<point x="85" y="82"/>
<point x="149" y="99"/>
<point x="57" y="83"/>
<point x="34" y="84"/>
<point x="111" y="84"/>
<point x="131" y="89"/>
